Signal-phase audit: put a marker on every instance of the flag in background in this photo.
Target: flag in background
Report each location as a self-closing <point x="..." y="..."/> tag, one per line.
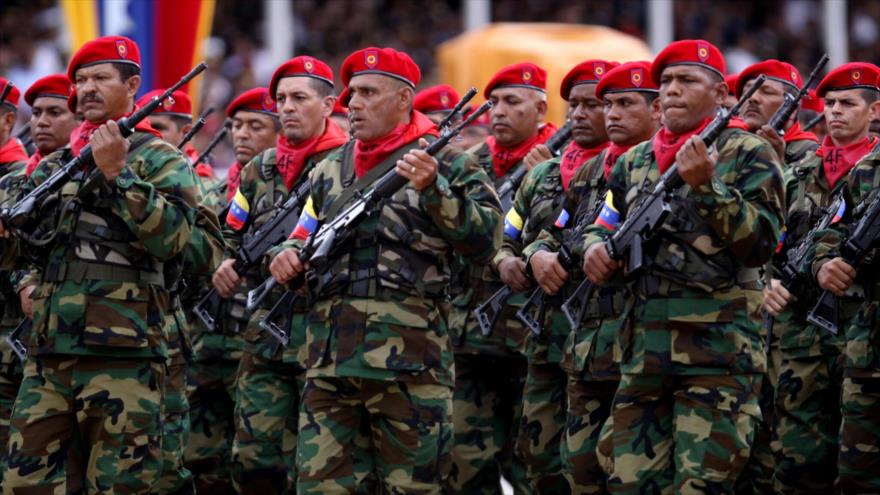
<point x="171" y="34"/>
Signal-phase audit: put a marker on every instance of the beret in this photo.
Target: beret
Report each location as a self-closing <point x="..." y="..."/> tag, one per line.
<point x="588" y="71"/>
<point x="178" y="104"/>
<point x="689" y="52"/>
<point x="521" y="75"/>
<point x="850" y="76"/>
<point x="436" y="99"/>
<point x="55" y="85"/>
<point x="253" y="100"/>
<point x="783" y="72"/>
<point x="14" y="93"/>
<point x="384" y="61"/>
<point x="631" y="76"/>
<point x="302" y="66"/>
<point x="105" y="49"/>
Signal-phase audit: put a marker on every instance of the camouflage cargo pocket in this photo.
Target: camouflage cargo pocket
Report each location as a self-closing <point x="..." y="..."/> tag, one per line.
<point x="708" y="332"/>
<point x="402" y="337"/>
<point x="117" y="318"/>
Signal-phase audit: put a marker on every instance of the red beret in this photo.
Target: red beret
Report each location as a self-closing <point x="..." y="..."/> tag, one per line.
<point x="521" y="75"/>
<point x="731" y="79"/>
<point x="55" y="86"/>
<point x="436" y="99"/>
<point x="339" y="106"/>
<point x="589" y="71"/>
<point x="774" y="69"/>
<point x="384" y="61"/>
<point x="253" y="100"/>
<point x="178" y="104"/>
<point x="103" y="50"/>
<point x="689" y="52"/>
<point x="631" y="76"/>
<point x="14" y="94"/>
<point x="813" y="102"/>
<point x="850" y="76"/>
<point x="302" y="66"/>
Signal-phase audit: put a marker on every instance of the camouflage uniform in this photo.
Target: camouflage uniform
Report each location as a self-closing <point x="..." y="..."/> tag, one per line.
<point x="487" y="404"/>
<point x="859" y="462"/>
<point x="378" y="350"/>
<point x="88" y="412"/>
<point x="270" y="379"/>
<point x="684" y="415"/>
<point x="590" y="353"/>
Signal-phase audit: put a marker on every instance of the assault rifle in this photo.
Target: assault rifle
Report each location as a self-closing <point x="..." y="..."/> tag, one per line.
<point x="320" y="245"/>
<point x="23" y="213"/>
<point x="14" y="339"/>
<point x="447" y="121"/>
<point x="195" y="128"/>
<point x="508" y="187"/>
<point x="784" y="112"/>
<point x="648" y="216"/>
<point x="218" y="136"/>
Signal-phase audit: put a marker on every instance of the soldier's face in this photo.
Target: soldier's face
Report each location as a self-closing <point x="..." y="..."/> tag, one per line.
<point x="587" y="116"/>
<point x="761" y="106"/>
<point x="102" y="94"/>
<point x="51" y="123"/>
<point x="377" y="105"/>
<point x="848" y="115"/>
<point x="169" y="130"/>
<point x="688" y="95"/>
<point x="301" y="108"/>
<point x="629" y="118"/>
<point x="252" y="133"/>
<point x="516" y="114"/>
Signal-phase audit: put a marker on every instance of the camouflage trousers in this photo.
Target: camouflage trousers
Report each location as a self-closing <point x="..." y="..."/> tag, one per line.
<point x="541" y="428"/>
<point x="682" y="434"/>
<point x="859" y="462"/>
<point x="589" y="406"/>
<point x="176" y="478"/>
<point x="351" y="428"/>
<point x="10" y="379"/>
<point x="266" y="413"/>
<point x="808" y="415"/>
<point x="211" y="395"/>
<point x="487" y="405"/>
<point x="86" y="423"/>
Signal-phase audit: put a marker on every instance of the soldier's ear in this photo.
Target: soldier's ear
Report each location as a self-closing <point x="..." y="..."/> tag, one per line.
<point x="405" y="95"/>
<point x="327" y="105"/>
<point x="132" y="85"/>
<point x="542" y="108"/>
<point x="656" y="110"/>
<point x="875" y="110"/>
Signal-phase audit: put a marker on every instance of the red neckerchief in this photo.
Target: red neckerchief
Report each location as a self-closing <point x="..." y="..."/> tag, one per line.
<point x="795" y="133"/>
<point x="574" y="157"/>
<point x="32" y="163"/>
<point x="738" y="123"/>
<point x="204" y="170"/>
<point x="839" y="160"/>
<point x="12" y="151"/>
<point x="190" y="152"/>
<point x="368" y="155"/>
<point x="667" y="144"/>
<point x="82" y="134"/>
<point x="233" y="177"/>
<point x="614" y="152"/>
<point x="503" y="157"/>
<point x="292" y="157"/>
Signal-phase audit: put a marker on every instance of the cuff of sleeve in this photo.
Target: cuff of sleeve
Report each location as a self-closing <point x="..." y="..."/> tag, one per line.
<point x="436" y="191"/>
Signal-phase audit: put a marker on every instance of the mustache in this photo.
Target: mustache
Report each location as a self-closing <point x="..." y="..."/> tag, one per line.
<point x="92" y="97"/>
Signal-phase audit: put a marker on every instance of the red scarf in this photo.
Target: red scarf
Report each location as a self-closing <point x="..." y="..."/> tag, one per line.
<point x="204" y="170"/>
<point x="292" y="157"/>
<point x="667" y="144"/>
<point x="503" y="157"/>
<point x="795" y="133"/>
<point x="233" y="177"/>
<point x="574" y="157"/>
<point x="614" y="152"/>
<point x="839" y="160"/>
<point x="368" y="155"/>
<point x="32" y="163"/>
<point x="738" y="123"/>
<point x="81" y="135"/>
<point x="12" y="151"/>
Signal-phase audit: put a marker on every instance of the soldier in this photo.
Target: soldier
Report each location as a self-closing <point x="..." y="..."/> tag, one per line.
<point x="51" y="120"/>
<point x="731" y="98"/>
<point x="436" y="102"/>
<point x="87" y="416"/>
<point x="211" y="379"/>
<point x="173" y="118"/>
<point x="378" y="349"/>
<point x="473" y="134"/>
<point x="692" y="354"/>
<point x="537" y="205"/>
<point x="270" y="379"/>
<point x="488" y="404"/>
<point x="811" y="372"/>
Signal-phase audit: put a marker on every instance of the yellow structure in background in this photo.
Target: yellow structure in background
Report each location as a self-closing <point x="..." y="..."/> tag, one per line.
<point x="473" y="57"/>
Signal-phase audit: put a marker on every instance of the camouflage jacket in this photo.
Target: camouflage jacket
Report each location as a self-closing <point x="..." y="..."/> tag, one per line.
<point x="862" y="332"/>
<point x="11" y="178"/>
<point x="102" y="289"/>
<point x="696" y="308"/>
<point x="796" y="151"/>
<point x="381" y="301"/>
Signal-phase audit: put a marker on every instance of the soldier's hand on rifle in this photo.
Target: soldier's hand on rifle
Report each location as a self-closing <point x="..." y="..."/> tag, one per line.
<point x="548" y="271"/>
<point x="836" y="276"/>
<point x="513" y="273"/>
<point x="286" y="266"/>
<point x="696" y="165"/>
<point x="109" y="149"/>
<point x="774" y="139"/>
<point x="225" y="280"/>
<point x="598" y="264"/>
<point x="418" y="166"/>
<point x="776" y="298"/>
<point x="27" y="304"/>
<point x="536" y="155"/>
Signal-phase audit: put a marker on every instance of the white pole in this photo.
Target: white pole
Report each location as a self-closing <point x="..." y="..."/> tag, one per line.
<point x="661" y="29"/>
<point x="834" y="30"/>
<point x="477" y="13"/>
<point x="279" y="30"/>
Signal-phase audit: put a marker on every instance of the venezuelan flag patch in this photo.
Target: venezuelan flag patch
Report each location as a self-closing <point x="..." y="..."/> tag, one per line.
<point x="513" y="224"/>
<point x="562" y="219"/>
<point x="308" y="222"/>
<point x="781" y="240"/>
<point x="609" y="217"/>
<point x="238" y="211"/>
<point x="841" y="211"/>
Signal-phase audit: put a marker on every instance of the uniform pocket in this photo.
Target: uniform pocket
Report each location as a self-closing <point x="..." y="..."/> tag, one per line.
<point x="117" y="317"/>
<point x="403" y="337"/>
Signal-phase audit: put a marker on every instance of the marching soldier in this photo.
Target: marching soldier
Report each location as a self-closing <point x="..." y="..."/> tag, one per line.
<point x="52" y="121"/>
<point x="378" y="349"/>
<point x="692" y="353"/>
